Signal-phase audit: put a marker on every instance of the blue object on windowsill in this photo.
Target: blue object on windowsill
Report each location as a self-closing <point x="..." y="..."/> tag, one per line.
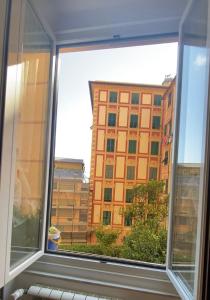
<point x="52" y="246"/>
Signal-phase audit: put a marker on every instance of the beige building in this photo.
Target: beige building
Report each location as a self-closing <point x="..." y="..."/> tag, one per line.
<point x="126" y="147"/>
<point x="70" y="200"/>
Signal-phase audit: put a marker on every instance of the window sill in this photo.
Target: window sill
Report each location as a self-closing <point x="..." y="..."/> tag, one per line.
<point x="114" y="280"/>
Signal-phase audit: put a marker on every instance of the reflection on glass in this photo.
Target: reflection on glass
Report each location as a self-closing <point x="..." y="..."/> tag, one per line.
<point x="27" y="87"/>
<point x="190" y="158"/>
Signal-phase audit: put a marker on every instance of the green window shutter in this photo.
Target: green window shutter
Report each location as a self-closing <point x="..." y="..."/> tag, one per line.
<point x="113" y="97"/>
<point x="157" y="100"/>
<point x="130" y="172"/>
<point x="129" y="196"/>
<point x="108" y="194"/>
<point x="128" y="220"/>
<point x="106" y="217"/>
<point x="153" y="174"/>
<point x="132" y="146"/>
<point x="109" y="171"/>
<point x="110" y="145"/>
<point x="154" y="148"/>
<point x="135" y="98"/>
<point x="156" y="122"/>
<point x="133" y="121"/>
<point x="112" y="119"/>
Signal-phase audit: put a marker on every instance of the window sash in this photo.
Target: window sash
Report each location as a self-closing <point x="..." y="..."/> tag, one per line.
<point x="154" y="148"/>
<point x="156" y="122"/>
<point x="110" y="145"/>
<point x="133" y="121"/>
<point x="135" y="98"/>
<point x="106" y="217"/>
<point x="157" y="100"/>
<point x="112" y="97"/>
<point x="132" y="146"/>
<point x="107" y="194"/>
<point x="112" y="119"/>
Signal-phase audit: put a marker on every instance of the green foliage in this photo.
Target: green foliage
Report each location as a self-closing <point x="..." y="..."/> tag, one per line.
<point x="106" y="237"/>
<point x="148" y="237"/>
<point x="144" y="244"/>
<point x="113" y="251"/>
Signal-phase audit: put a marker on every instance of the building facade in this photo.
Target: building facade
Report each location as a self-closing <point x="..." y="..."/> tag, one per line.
<point x="70" y="201"/>
<point x="126" y="148"/>
<point x="167" y="132"/>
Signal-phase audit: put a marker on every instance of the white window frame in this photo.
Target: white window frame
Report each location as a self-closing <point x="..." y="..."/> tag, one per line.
<point x="7" y="184"/>
<point x="74" y="269"/>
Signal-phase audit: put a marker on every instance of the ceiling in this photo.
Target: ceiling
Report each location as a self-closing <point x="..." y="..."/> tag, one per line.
<point x="75" y="21"/>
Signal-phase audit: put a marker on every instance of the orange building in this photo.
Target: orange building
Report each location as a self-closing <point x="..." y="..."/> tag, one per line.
<point x="167" y="132"/>
<point x="70" y="201"/>
<point x="126" y="147"/>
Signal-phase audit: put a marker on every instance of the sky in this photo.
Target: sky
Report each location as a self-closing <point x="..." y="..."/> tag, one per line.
<point x="140" y="64"/>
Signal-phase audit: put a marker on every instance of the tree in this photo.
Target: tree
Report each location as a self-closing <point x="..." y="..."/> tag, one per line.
<point x="148" y="237"/>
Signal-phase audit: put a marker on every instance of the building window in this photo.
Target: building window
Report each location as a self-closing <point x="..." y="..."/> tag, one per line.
<point x="169" y="99"/>
<point x="165" y="160"/>
<point x="157" y="100"/>
<point x="66" y="185"/>
<point x="83" y="215"/>
<point x="129" y="196"/>
<point x="130" y="172"/>
<point x="154" y="148"/>
<point x="109" y="171"/>
<point x="153" y="173"/>
<point x="132" y="146"/>
<point x="156" y="122"/>
<point x="110" y="145"/>
<point x="112" y="119"/>
<point x="106" y="217"/>
<point x="135" y="98"/>
<point x="133" y="121"/>
<point x="108" y="194"/>
<point x="128" y="220"/>
<point x="113" y="97"/>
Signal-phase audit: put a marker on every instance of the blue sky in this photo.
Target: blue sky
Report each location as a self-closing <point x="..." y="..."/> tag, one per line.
<point x="140" y="64"/>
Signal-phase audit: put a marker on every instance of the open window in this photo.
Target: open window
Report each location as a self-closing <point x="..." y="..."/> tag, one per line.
<point x="27" y="122"/>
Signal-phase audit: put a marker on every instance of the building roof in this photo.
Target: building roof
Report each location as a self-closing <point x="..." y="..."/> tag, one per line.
<point x="68" y="174"/>
<point x="69" y="160"/>
<point x="123" y="84"/>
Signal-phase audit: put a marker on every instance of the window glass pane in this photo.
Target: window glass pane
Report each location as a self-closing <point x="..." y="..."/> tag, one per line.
<point x="128" y="220"/>
<point x="29" y="77"/>
<point x="157" y="100"/>
<point x="154" y="148"/>
<point x="189" y="175"/>
<point x="133" y="121"/>
<point x="153" y="173"/>
<point x="129" y="196"/>
<point x="113" y="97"/>
<point x="110" y="145"/>
<point x="130" y="172"/>
<point x="156" y="122"/>
<point x="109" y="171"/>
<point x="111" y="119"/>
<point x="106" y="218"/>
<point x="108" y="194"/>
<point x="135" y="98"/>
<point x="132" y="146"/>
